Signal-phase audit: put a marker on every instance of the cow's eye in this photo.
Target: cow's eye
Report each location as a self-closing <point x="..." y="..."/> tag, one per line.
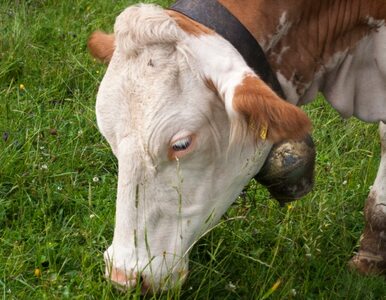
<point x="182" y="144"/>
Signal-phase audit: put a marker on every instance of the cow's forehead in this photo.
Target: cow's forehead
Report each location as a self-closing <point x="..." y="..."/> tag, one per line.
<point x="147" y="79"/>
<point x="151" y="71"/>
<point x="156" y="87"/>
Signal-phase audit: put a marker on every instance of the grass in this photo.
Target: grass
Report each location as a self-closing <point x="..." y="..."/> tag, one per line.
<point x="58" y="180"/>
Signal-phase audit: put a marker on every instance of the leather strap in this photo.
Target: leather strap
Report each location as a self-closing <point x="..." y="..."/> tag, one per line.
<point x="215" y="16"/>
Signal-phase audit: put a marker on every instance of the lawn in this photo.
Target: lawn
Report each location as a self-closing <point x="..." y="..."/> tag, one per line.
<point x="58" y="179"/>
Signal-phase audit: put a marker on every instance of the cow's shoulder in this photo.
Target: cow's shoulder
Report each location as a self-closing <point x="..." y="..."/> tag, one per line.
<point x="328" y="46"/>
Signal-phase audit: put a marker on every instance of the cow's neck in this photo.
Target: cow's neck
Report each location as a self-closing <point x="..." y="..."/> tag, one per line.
<point x="304" y="40"/>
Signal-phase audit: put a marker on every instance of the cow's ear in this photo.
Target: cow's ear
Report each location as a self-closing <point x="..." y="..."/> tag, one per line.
<point x="265" y="114"/>
<point x="251" y="105"/>
<point x="101" y="45"/>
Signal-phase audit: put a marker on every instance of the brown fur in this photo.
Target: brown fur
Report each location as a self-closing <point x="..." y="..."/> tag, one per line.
<point x="264" y="109"/>
<point x="188" y="25"/>
<point x="319" y="29"/>
<point x="101" y="46"/>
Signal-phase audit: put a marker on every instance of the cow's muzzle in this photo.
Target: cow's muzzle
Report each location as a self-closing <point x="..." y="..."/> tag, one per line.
<point x="288" y="172"/>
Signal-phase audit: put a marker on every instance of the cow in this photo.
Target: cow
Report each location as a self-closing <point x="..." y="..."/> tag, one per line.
<point x="190" y="122"/>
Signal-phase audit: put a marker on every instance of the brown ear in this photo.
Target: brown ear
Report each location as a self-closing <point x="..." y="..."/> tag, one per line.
<point x="267" y="114"/>
<point x="101" y="45"/>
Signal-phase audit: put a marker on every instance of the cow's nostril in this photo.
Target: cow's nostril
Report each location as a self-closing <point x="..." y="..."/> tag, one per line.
<point x="129" y="280"/>
<point x="145" y="286"/>
<point x="122" y="279"/>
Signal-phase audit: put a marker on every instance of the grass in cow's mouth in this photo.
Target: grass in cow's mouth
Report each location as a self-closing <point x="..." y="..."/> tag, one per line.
<point x="58" y="179"/>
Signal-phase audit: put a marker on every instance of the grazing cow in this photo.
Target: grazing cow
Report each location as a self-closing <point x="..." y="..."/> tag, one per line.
<point x="190" y="122"/>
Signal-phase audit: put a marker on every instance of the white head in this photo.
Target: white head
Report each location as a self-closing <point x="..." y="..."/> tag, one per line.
<point x="186" y="118"/>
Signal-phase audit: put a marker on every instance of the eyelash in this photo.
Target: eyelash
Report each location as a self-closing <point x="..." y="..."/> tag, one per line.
<point x="182" y="144"/>
<point x="181" y="147"/>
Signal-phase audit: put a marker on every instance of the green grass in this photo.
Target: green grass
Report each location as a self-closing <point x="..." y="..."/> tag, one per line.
<point x="58" y="180"/>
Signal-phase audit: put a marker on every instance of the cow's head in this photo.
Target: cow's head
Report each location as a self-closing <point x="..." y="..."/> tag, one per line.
<point x="190" y="123"/>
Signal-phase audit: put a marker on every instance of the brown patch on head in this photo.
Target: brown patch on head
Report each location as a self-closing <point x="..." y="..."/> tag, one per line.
<point x="265" y="111"/>
<point x="101" y="45"/>
<point x="188" y="25"/>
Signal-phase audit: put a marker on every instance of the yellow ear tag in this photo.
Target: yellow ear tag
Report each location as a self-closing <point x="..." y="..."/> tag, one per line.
<point x="263" y="132"/>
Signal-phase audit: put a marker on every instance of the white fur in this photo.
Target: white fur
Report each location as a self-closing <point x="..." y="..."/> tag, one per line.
<point x="288" y="87"/>
<point x="281" y="30"/>
<point x="141" y="25"/>
<point x="356" y="86"/>
<point x="379" y="186"/>
<point x="352" y="81"/>
<point x="219" y="61"/>
<point x="372" y="22"/>
<point x="279" y="56"/>
<point x="153" y="92"/>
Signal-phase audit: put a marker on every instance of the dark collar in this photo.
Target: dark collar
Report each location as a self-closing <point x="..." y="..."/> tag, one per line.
<point x="215" y="16"/>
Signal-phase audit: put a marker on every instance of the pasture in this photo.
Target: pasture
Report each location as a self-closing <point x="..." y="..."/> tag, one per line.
<point x="58" y="182"/>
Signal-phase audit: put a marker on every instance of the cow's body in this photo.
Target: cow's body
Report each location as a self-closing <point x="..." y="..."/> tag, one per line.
<point x="336" y="47"/>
